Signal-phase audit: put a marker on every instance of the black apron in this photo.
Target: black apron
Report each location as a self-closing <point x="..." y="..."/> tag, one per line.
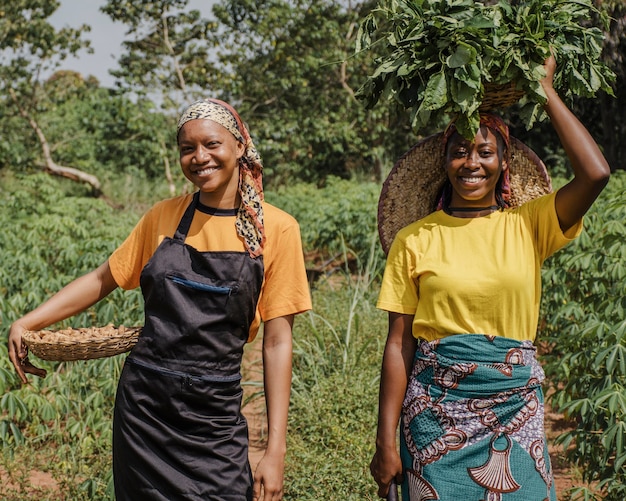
<point x="178" y="431"/>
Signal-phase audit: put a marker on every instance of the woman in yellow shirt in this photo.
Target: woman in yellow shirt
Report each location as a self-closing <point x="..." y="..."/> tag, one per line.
<point x="462" y="286"/>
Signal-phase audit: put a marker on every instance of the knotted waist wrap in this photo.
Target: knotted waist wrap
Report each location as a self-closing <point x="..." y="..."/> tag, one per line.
<point x="472" y="421"/>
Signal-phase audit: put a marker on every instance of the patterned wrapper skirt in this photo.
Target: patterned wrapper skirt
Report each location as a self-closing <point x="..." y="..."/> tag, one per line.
<point x="473" y="422"/>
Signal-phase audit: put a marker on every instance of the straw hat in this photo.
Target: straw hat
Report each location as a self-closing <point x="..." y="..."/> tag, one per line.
<point x="411" y="189"/>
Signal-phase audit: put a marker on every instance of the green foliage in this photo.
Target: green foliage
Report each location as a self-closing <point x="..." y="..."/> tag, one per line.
<point x="601" y="115"/>
<point x="106" y="133"/>
<point x="44" y="245"/>
<point x="339" y="217"/>
<point x="584" y="306"/>
<point x="331" y="440"/>
<point x="439" y="56"/>
<point x="337" y="353"/>
<point x="167" y="48"/>
<point x="25" y="30"/>
<point x="48" y="239"/>
<point x="67" y="417"/>
<point x="123" y="142"/>
<point x="295" y="87"/>
<point x="30" y="45"/>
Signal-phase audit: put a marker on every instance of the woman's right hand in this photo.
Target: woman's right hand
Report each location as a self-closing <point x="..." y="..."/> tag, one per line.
<point x="75" y="297"/>
<point x="18" y="353"/>
<point x="385" y="467"/>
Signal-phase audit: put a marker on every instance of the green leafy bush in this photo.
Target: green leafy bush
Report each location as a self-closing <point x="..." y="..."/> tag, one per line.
<point x="338" y="217"/>
<point x="437" y="57"/>
<point x="584" y="306"/>
<point x="62" y="423"/>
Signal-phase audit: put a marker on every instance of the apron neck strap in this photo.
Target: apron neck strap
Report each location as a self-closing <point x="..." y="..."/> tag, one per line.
<point x="185" y="221"/>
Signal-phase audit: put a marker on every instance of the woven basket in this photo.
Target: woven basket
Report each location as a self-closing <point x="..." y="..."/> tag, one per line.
<point x="81" y="344"/>
<point x="499" y="96"/>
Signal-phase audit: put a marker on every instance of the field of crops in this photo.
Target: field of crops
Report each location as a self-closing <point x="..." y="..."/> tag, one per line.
<point x="56" y="433"/>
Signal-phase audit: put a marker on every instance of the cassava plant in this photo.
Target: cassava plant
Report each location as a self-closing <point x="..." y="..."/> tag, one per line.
<point x="438" y="58"/>
<point x="583" y="307"/>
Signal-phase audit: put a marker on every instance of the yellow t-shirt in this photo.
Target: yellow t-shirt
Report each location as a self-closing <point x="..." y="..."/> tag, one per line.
<point x="473" y="275"/>
<point x="285" y="289"/>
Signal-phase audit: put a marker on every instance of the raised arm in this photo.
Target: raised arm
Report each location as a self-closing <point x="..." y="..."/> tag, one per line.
<point x="75" y="297"/>
<point x="591" y="170"/>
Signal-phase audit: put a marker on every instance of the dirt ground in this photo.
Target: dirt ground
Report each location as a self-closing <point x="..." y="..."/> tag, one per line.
<point x="564" y="474"/>
<point x="254" y="410"/>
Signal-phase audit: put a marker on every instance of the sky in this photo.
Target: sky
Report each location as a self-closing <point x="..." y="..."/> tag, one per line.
<point x="105" y="35"/>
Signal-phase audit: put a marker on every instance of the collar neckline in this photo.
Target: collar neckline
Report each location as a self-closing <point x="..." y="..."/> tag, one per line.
<point x="471" y="212"/>
<point x="214" y="211"/>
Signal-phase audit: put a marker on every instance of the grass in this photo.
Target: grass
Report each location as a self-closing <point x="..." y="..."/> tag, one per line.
<point x="337" y="356"/>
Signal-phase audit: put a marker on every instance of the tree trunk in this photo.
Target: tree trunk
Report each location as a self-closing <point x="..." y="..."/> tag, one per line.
<point x="50" y="165"/>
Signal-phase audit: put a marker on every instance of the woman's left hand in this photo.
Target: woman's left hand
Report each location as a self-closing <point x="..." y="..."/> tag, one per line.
<point x="268" y="478"/>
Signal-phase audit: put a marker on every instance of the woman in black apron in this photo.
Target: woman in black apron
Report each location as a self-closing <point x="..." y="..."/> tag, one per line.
<point x="181" y="359"/>
<point x="178" y="431"/>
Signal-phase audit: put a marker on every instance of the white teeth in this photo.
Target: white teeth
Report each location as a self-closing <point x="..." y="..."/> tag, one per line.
<point x="205" y="172"/>
<point x="472" y="180"/>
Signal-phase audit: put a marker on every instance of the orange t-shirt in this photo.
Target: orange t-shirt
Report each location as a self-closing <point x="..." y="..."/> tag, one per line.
<point x="285" y="289"/>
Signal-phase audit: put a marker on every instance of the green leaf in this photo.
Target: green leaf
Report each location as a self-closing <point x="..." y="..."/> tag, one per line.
<point x="464" y="95"/>
<point x="436" y="93"/>
<point x="463" y="54"/>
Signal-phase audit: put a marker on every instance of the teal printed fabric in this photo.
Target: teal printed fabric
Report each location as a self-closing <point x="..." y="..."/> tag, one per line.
<point x="473" y="422"/>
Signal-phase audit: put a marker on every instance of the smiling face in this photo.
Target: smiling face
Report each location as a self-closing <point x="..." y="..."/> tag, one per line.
<point x="474" y="168"/>
<point x="209" y="158"/>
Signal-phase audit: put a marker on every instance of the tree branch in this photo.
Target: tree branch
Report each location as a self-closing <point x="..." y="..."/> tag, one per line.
<point x="343" y="79"/>
<point x="50" y="165"/>
<point x="170" y="48"/>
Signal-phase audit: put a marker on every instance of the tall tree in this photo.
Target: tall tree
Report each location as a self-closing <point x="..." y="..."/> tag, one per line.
<point x="168" y="53"/>
<point x="30" y="46"/>
<point x="291" y="69"/>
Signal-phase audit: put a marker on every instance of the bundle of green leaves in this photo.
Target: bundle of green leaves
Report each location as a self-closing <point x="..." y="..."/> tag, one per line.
<point x="438" y="58"/>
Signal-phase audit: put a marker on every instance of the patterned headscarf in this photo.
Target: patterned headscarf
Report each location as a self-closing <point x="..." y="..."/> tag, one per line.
<point x="497" y="126"/>
<point x="249" y="221"/>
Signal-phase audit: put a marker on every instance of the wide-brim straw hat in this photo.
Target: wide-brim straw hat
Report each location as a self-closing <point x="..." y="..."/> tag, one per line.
<point x="411" y="189"/>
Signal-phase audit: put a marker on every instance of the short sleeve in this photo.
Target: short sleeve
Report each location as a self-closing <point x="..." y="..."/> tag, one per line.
<point x="286" y="288"/>
<point x="130" y="257"/>
<point x="542" y="216"/>
<point x="398" y="292"/>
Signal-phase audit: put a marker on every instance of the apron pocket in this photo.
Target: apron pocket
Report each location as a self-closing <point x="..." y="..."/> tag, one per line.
<point x="206" y="293"/>
<point x="204" y="286"/>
